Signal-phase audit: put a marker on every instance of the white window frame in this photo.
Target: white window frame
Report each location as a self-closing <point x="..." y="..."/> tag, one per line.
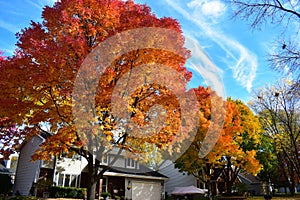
<point x="104" y="160"/>
<point x="77" y="180"/>
<point x="132" y="163"/>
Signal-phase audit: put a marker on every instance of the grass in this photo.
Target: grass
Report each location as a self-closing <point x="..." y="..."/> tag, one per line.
<point x="283" y="197"/>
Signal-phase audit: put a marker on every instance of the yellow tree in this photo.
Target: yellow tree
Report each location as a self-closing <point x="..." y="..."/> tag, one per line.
<point x="235" y="149"/>
<point x="241" y="155"/>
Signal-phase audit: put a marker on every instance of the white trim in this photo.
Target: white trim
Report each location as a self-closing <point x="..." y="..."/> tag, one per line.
<point x="132" y="161"/>
<point x="134" y="176"/>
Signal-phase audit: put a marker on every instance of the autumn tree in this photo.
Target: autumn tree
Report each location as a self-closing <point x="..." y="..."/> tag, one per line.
<point x="235" y="149"/>
<point x="278" y="109"/>
<point x="10" y="135"/>
<point x="47" y="84"/>
<point x="283" y="14"/>
<point x="247" y="141"/>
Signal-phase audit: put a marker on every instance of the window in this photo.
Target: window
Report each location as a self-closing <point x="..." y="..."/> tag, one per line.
<point x="130" y="163"/>
<point x="73" y="180"/>
<point x="104" y="159"/>
<point x="68" y="180"/>
<point x="60" y="179"/>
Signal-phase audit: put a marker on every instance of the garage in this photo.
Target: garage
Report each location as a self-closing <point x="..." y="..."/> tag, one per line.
<point x="146" y="190"/>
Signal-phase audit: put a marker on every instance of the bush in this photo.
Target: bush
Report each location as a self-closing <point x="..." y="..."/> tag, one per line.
<point x="105" y="194"/>
<point x="66" y="192"/>
<point x="5" y="184"/>
<point x="23" y="198"/>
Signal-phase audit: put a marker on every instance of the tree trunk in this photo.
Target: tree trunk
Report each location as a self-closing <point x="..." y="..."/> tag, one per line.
<point x="229" y="185"/>
<point x="293" y="184"/>
<point x="92" y="174"/>
<point x="209" y="191"/>
<point x="91" y="189"/>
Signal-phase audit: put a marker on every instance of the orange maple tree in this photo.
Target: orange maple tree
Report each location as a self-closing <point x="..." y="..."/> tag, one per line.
<point x="235" y="149"/>
<point x="38" y="81"/>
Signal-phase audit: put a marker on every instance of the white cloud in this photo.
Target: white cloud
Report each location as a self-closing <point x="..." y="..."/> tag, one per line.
<point x="213" y="8"/>
<point x="293" y="4"/>
<point x="239" y="59"/>
<point x="203" y="65"/>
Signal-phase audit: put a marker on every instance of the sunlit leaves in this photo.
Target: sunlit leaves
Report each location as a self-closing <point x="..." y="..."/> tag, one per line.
<point x="236" y="147"/>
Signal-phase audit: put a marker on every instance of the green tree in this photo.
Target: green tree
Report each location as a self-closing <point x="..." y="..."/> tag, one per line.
<point x="278" y="109"/>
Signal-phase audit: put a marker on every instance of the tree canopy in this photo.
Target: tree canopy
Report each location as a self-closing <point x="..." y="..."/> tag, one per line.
<point x="235" y="149"/>
<point x="278" y="109"/>
<point x="39" y="80"/>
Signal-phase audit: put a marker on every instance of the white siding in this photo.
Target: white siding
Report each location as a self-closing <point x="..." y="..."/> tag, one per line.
<point x="27" y="171"/>
<point x="70" y="166"/>
<point x="176" y="178"/>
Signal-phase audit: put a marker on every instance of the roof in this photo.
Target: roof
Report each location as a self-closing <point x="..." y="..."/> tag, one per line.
<point x="188" y="190"/>
<point x="249" y="177"/>
<point x="43" y="135"/>
<point x="4" y="170"/>
<point x="142" y="172"/>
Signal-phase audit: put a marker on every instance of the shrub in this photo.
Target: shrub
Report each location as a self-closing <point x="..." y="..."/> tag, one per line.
<point x="5" y="184"/>
<point x="73" y="193"/>
<point x="66" y="192"/>
<point x="105" y="194"/>
<point x="23" y="198"/>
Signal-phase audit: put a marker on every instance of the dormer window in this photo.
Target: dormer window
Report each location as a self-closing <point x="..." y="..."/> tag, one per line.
<point x="130" y="163"/>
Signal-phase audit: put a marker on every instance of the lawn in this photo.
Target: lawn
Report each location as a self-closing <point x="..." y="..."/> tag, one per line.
<point x="277" y="197"/>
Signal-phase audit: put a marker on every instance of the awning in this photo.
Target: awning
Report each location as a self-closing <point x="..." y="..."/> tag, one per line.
<point x="188" y="190"/>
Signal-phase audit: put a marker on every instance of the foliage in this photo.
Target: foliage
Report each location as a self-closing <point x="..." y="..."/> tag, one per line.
<point x="66" y="192"/>
<point x="278" y="108"/>
<point x="10" y="137"/>
<point x="235" y="149"/>
<point x="267" y="156"/>
<point x="105" y="194"/>
<point x="44" y="184"/>
<point x="37" y="82"/>
<point x="23" y="198"/>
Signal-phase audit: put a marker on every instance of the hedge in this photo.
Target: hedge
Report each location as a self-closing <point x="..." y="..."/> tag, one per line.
<point x="66" y="192"/>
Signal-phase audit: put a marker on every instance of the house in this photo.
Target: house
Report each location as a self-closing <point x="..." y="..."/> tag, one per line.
<point x="5" y="180"/>
<point x="176" y="178"/>
<point x="180" y="179"/>
<point x="254" y="184"/>
<point x="126" y="177"/>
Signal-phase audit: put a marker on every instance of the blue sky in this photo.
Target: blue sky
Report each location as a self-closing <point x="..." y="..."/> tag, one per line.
<point x="237" y="53"/>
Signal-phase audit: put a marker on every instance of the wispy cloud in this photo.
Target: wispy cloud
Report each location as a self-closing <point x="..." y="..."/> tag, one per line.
<point x="41" y="4"/>
<point x="203" y="14"/>
<point x="203" y="65"/>
<point x="9" y="27"/>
